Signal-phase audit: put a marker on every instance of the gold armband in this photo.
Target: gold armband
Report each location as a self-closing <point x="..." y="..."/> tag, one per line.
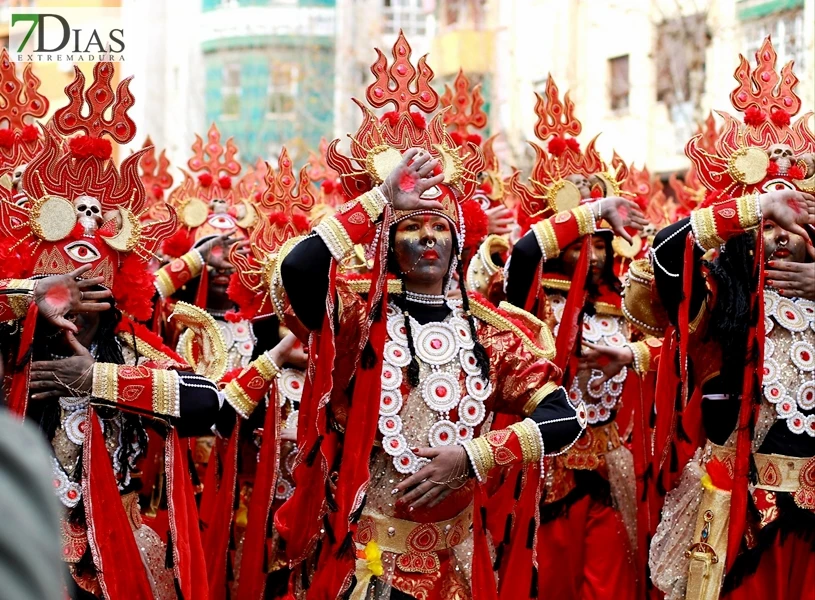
<point x="105" y="381"/>
<point x="586" y="224"/>
<point x="480" y="455"/>
<point x="530" y="438"/>
<point x="547" y="240"/>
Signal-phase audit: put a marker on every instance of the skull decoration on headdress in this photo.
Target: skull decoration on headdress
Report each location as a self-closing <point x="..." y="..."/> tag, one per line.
<point x="207" y="201"/>
<point x="285" y="205"/>
<point x="20" y="104"/>
<point x="767" y="151"/>
<point x="81" y="209"/>
<point x="377" y="147"/>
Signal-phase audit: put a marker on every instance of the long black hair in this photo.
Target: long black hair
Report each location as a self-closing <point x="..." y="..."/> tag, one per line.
<point x="607" y="275"/>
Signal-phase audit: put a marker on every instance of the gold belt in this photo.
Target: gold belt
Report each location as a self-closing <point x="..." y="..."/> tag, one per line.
<point x="405" y="537"/>
<point x="590" y="447"/>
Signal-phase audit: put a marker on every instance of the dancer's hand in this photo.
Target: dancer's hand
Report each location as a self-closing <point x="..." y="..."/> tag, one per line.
<point x="790" y="210"/>
<point x="448" y="470"/>
<point x="69" y="377"/>
<point x="792" y="279"/>
<point x="500" y="220"/>
<point x="608" y="359"/>
<point x="410" y="179"/>
<point x="621" y="213"/>
<point x="57" y="295"/>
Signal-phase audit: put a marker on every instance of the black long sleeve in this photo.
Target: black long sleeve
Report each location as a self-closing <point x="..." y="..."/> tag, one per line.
<point x="199" y="405"/>
<point x="305" y="276"/>
<point x="556" y="435"/>
<point x="522" y="269"/>
<point x="669" y="253"/>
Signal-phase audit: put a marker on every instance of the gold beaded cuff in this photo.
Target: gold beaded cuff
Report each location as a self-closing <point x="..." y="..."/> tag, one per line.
<point x="480" y="455"/>
<point x="749" y="211"/>
<point x="164" y="285"/>
<point x="373" y="202"/>
<point x="166" y="393"/>
<point x="105" y="381"/>
<point x="19" y="302"/>
<point x="530" y="439"/>
<point x="642" y="357"/>
<point x="547" y="240"/>
<point x="194" y="261"/>
<point x="586" y="224"/>
<point x="266" y="367"/>
<point x="335" y="237"/>
<point x="239" y="399"/>
<point x="704" y="228"/>
<point x="546" y="389"/>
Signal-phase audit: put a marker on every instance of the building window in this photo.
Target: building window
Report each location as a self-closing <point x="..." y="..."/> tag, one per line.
<point x="282" y="89"/>
<point x="619" y="83"/>
<point x="787" y="31"/>
<point x="231" y="91"/>
<point x="407" y="15"/>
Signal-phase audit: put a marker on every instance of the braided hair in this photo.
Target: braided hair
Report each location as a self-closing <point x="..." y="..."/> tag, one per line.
<point x="481" y="356"/>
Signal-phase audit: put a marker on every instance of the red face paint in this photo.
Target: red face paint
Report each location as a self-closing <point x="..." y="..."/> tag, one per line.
<point x="217" y="251"/>
<point x="407" y="182"/>
<point x="793" y="204"/>
<point x="59" y="296"/>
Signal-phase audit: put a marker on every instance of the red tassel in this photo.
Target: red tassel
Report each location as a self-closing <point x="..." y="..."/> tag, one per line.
<point x="188" y="553"/>
<point x="113" y="546"/>
<point x="567" y="334"/>
<point x="483" y="585"/>
<point x="252" y="579"/>
<point x="18" y="396"/>
<point x="753" y="370"/>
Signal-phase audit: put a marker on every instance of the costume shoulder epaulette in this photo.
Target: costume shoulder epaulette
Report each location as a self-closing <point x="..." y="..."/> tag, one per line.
<point x="534" y="333"/>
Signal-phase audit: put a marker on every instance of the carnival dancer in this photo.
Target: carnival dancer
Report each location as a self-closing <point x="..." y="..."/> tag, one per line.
<point x="563" y="271"/>
<point x="97" y="380"/>
<point x="741" y="520"/>
<point x="392" y="425"/>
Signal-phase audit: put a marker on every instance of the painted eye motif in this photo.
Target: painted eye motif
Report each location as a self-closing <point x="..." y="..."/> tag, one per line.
<point x="431" y="193"/>
<point x="777" y="184"/>
<point x="83" y="252"/>
<point x="222" y="221"/>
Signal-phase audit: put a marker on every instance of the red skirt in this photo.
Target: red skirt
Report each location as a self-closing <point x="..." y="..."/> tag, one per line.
<point x="586" y="555"/>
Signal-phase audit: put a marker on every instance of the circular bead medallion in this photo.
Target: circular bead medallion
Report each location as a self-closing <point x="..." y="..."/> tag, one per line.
<point x="394" y="445"/>
<point x="406" y="462"/>
<point x="441" y="392"/>
<point x="390" y="426"/>
<point x="607" y="326"/>
<point x="620" y="377"/>
<point x="465" y="432"/>
<point x="595" y="387"/>
<point x="770" y="371"/>
<point x="75" y="426"/>
<point x="809" y="425"/>
<point x="786" y="408"/>
<point x="436" y="344"/>
<point x="283" y="490"/>
<point x="396" y="329"/>
<point x="391" y="377"/>
<point x="469" y="363"/>
<point x="390" y="403"/>
<point x="292" y="382"/>
<point x="768" y="324"/>
<point x="396" y="354"/>
<point x="806" y="395"/>
<point x="769" y="348"/>
<point x="789" y="316"/>
<point x="471" y="412"/>
<point x="803" y="355"/>
<point x="808" y="308"/>
<point x="443" y="433"/>
<point x="797" y="422"/>
<point x="774" y="392"/>
<point x="478" y="388"/>
<point x="463" y="333"/>
<point x="590" y="331"/>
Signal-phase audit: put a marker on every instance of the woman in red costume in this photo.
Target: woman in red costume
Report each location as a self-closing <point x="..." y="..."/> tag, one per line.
<point x="392" y="427"/>
<point x="740" y="523"/>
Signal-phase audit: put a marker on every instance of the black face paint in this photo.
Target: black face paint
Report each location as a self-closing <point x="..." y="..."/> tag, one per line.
<point x="423" y="246"/>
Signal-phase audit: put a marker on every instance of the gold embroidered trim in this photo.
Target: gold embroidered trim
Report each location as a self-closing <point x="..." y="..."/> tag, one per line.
<point x="538" y="397"/>
<point x="19" y="302"/>
<point x="547" y="240"/>
<point x="363" y="286"/>
<point x="501" y="323"/>
<point x="642" y="357"/>
<point x="396" y="535"/>
<point x="194" y="261"/>
<point x="212" y="348"/>
<point x="144" y="349"/>
<point x="747" y="207"/>
<point x="556" y="284"/>
<point x="373" y="202"/>
<point x="266" y="367"/>
<point x="105" y="381"/>
<point x="164" y="284"/>
<point x="481" y="458"/>
<point x="545" y="340"/>
<point x="239" y="399"/>
<point x="332" y="232"/>
<point x="166" y="399"/>
<point x="605" y="308"/>
<point x="586" y="224"/>
<point x="529" y="437"/>
<point x="704" y="228"/>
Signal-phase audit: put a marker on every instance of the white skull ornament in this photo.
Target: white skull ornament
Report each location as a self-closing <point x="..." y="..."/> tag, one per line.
<point x="781" y="155"/>
<point x="88" y="213"/>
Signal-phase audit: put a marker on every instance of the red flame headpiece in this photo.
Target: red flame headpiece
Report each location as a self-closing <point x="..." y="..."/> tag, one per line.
<point x="764" y="151"/>
<point x="82" y="209"/>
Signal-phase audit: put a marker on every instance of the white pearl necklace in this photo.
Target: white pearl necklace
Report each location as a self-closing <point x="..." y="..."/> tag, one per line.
<point x="429" y="299"/>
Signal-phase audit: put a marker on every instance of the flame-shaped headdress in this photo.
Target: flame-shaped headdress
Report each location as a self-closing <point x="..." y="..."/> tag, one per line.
<point x="285" y="205"/>
<point x="331" y="193"/>
<point x="764" y="152"/>
<point x="550" y="190"/>
<point x="82" y="209"/>
<point x="207" y="201"/>
<point x="156" y="179"/>
<point x="20" y="104"/>
<point x="377" y="147"/>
